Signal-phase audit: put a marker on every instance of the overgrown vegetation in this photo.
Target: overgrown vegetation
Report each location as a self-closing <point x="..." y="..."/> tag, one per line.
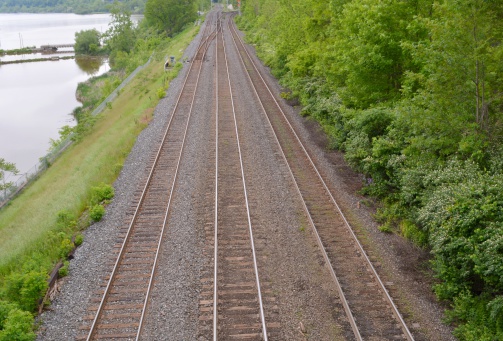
<point x="411" y="91"/>
<point x="37" y="228"/>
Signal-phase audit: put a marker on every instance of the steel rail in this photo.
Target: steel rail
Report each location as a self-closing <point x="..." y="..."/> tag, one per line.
<point x="396" y="313"/>
<point x="142" y="197"/>
<point x="169" y="201"/>
<point x="250" y="229"/>
<point x="344" y="302"/>
<point x="343" y="299"/>
<point x="215" y="237"/>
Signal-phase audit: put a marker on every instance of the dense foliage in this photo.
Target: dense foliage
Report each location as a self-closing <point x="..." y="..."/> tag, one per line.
<point x="66" y="6"/>
<point x="87" y="42"/>
<point x="170" y="16"/>
<point x="412" y="91"/>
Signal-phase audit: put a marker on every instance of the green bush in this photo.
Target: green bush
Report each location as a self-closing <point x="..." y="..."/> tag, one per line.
<point x="26" y="288"/>
<point x="161" y="92"/>
<point x="65" y="248"/>
<point x="63" y="271"/>
<point x="97" y="212"/>
<point x="5" y="308"/>
<point x="463" y="221"/>
<point x="18" y="326"/>
<point x="101" y="193"/>
<point x="79" y="239"/>
<point x="482" y="317"/>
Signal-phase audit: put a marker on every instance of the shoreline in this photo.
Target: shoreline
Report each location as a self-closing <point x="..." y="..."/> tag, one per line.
<point x="19" y="61"/>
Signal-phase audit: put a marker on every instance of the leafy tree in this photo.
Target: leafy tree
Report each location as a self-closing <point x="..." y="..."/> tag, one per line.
<point x="170" y="16"/>
<point x="87" y="42"/>
<point x="121" y="34"/>
<point x="6" y="167"/>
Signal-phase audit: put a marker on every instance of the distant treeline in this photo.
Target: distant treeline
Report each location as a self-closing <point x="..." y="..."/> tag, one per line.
<point x="412" y="92"/>
<point x="67" y="6"/>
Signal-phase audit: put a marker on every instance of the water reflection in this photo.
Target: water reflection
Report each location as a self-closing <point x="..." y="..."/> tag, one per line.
<point x="37" y="98"/>
<point x="90" y="65"/>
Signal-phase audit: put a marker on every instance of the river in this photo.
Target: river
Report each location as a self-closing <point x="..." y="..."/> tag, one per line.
<point x="37" y="98"/>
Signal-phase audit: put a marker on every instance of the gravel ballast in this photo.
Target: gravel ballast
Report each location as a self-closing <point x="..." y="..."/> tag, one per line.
<point x="307" y="305"/>
<point x="91" y="260"/>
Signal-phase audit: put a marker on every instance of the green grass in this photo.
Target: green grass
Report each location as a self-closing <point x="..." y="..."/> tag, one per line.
<point x="66" y="186"/>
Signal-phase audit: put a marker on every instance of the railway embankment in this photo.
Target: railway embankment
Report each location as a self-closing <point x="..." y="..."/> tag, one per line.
<point x="57" y="202"/>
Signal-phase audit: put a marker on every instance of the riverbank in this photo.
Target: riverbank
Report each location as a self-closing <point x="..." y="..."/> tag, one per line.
<point x="55" y="58"/>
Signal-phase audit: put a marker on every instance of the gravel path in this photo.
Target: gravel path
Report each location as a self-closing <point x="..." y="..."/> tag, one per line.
<point x="306" y="303"/>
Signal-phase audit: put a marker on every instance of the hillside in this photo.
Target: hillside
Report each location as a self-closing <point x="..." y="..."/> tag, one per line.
<point x="411" y="91"/>
<point x="66" y="6"/>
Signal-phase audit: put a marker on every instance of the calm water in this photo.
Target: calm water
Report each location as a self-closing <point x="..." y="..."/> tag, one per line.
<point x="36" y="99"/>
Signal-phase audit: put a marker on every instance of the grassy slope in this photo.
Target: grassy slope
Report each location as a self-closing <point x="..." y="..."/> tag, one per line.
<point x="98" y="158"/>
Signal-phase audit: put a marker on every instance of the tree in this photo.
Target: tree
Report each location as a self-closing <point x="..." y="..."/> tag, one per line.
<point x="6" y="167"/>
<point x="121" y="34"/>
<point x="170" y="16"/>
<point x="87" y="42"/>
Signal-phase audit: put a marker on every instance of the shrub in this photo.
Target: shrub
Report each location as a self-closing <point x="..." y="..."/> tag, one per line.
<point x="63" y="271"/>
<point x="5" y="308"/>
<point x="65" y="248"/>
<point x="97" y="212"/>
<point x="26" y="288"/>
<point x="101" y="193"/>
<point x="481" y="321"/>
<point x="161" y="92"/>
<point x="18" y="326"/>
<point x="79" y="239"/>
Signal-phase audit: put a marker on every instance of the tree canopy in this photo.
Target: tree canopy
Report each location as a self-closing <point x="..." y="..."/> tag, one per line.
<point x="170" y="16"/>
<point x="87" y="42"/>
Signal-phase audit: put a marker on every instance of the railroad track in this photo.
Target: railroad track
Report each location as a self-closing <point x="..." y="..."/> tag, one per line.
<point x="370" y="310"/>
<point x="121" y="306"/>
<point x="231" y="302"/>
